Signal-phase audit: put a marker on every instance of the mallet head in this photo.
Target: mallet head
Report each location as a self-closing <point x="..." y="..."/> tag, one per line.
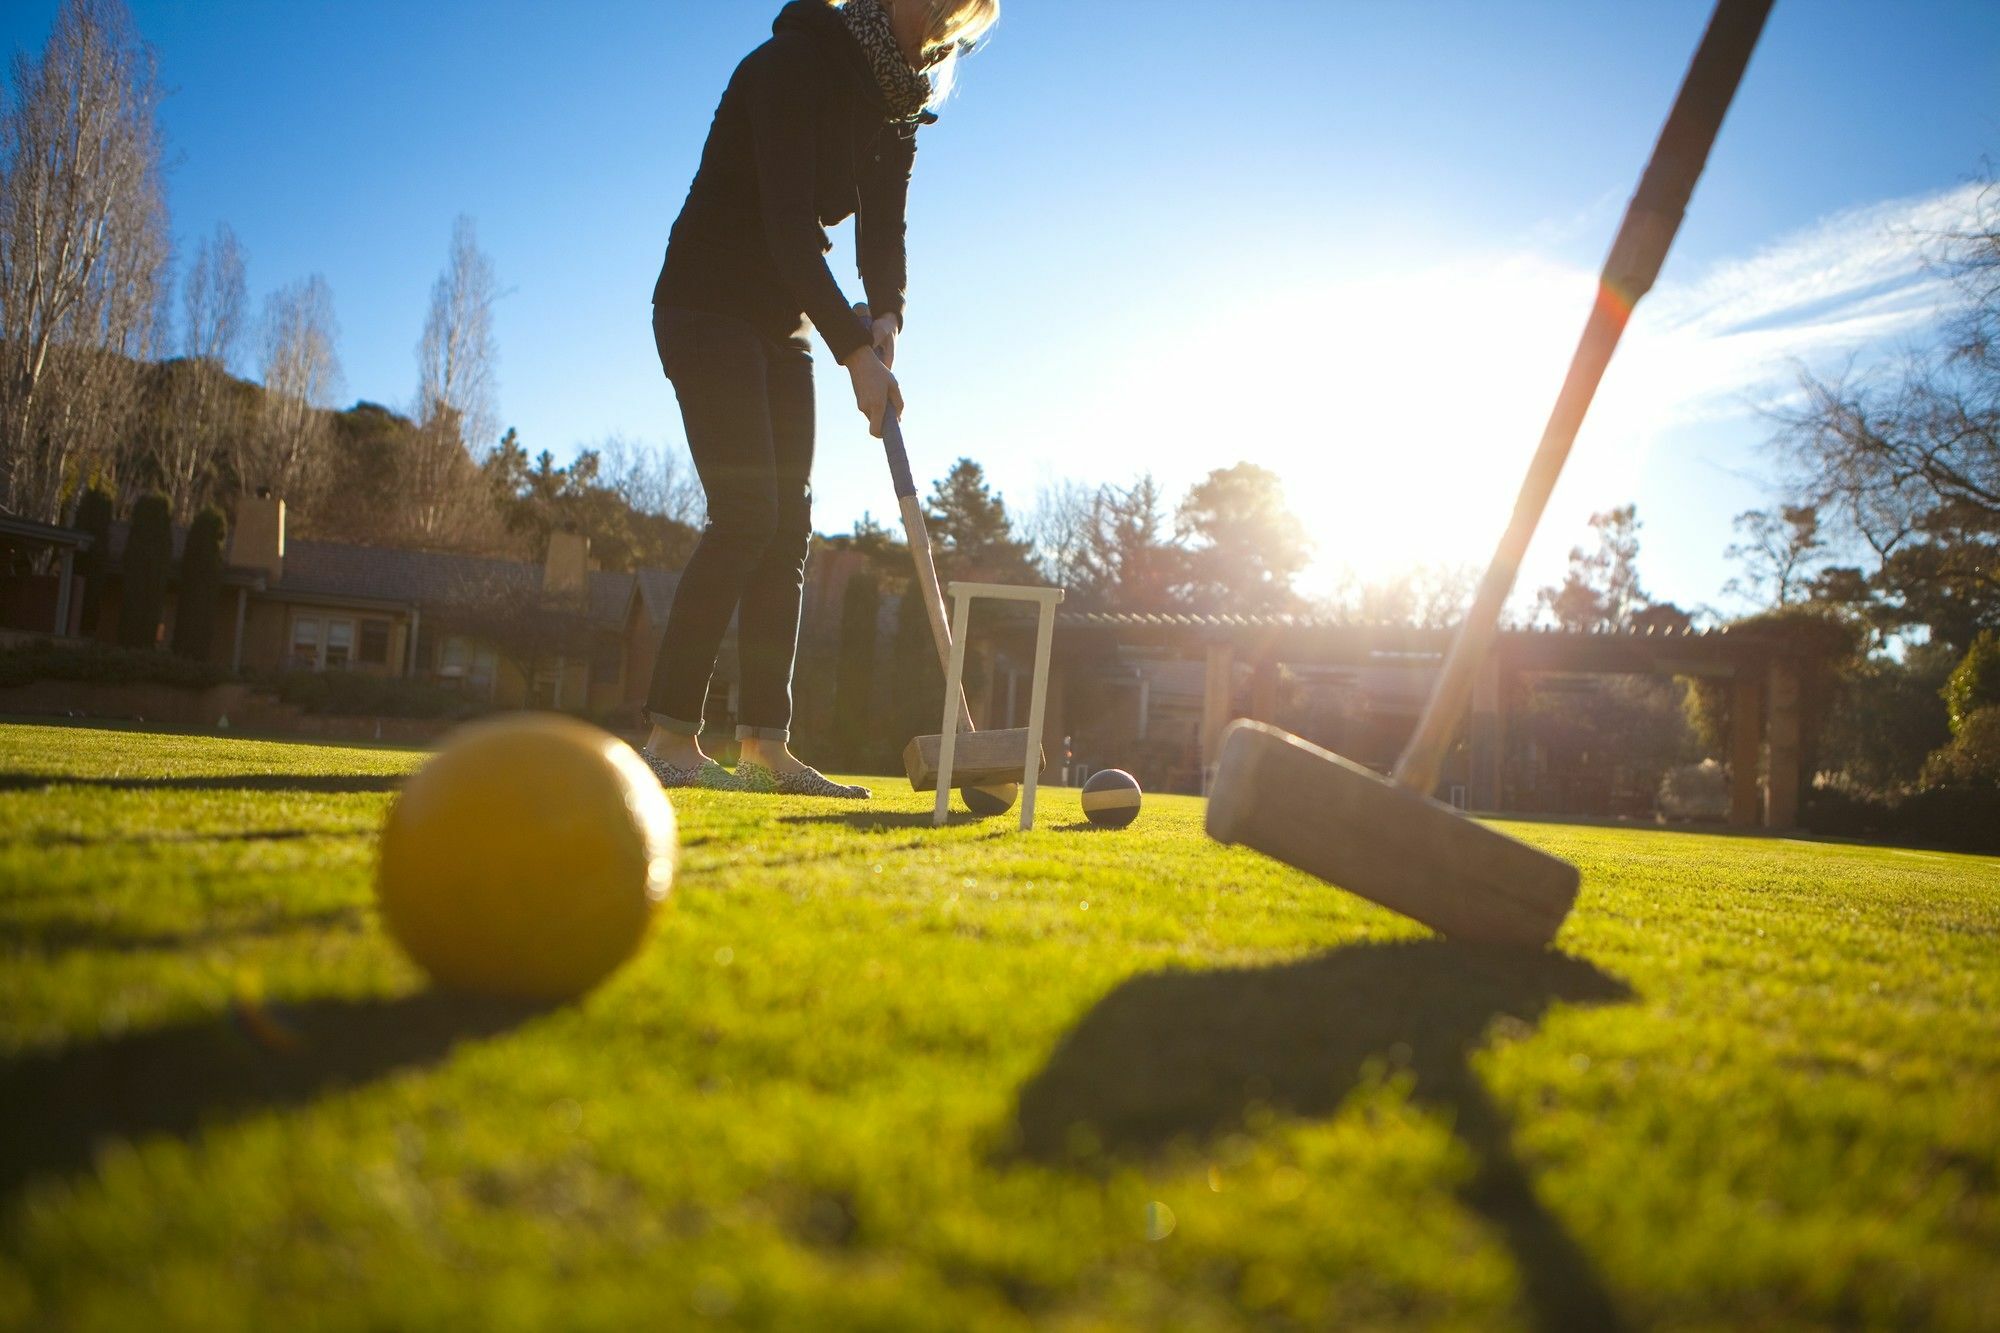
<point x="1352" y="827"/>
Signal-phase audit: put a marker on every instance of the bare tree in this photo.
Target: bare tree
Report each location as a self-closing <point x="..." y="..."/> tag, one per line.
<point x="287" y="451"/>
<point x="1427" y="596"/>
<point x="201" y="417"/>
<point x="83" y="251"/>
<point x="1878" y="455"/>
<point x="1060" y="526"/>
<point x="213" y="299"/>
<point x="540" y="632"/>
<point x="1780" y="550"/>
<point x="659" y="481"/>
<point x="455" y="370"/>
<point x="1601" y="589"/>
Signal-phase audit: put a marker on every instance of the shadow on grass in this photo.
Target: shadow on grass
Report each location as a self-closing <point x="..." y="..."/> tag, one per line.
<point x="54" y="938"/>
<point x="325" y="783"/>
<point x="1184" y="1056"/>
<point x="47" y="838"/>
<point x="57" y="1107"/>
<point x="883" y="820"/>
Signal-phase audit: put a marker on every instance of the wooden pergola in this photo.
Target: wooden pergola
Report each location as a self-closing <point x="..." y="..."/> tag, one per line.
<point x="56" y="548"/>
<point x="1764" y="673"/>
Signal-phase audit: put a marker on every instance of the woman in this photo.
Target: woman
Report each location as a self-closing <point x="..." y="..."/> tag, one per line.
<point x="817" y="124"/>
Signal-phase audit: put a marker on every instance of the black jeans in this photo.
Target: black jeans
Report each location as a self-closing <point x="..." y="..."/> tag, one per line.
<point x="747" y="403"/>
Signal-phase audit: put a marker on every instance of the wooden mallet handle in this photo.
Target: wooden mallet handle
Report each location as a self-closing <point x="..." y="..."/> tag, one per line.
<point x="1651" y="220"/>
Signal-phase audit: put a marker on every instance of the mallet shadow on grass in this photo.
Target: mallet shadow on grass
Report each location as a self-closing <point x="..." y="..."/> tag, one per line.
<point x="1181" y="1057"/>
<point x="57" y="1107"/>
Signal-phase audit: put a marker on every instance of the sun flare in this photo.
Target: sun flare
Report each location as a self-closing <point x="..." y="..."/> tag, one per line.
<point x="1401" y="410"/>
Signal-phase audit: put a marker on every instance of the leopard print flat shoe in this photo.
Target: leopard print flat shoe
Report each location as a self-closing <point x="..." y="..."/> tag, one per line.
<point x="707" y="774"/>
<point x="806" y="781"/>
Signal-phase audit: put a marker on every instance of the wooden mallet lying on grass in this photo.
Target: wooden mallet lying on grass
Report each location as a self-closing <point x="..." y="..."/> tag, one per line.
<point x="1388" y="840"/>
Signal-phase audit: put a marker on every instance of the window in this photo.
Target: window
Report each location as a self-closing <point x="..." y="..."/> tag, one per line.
<point x="374" y="643"/>
<point x="305" y="643"/>
<point x="339" y="644"/>
<point x="474" y="664"/>
<point x="321" y="643"/>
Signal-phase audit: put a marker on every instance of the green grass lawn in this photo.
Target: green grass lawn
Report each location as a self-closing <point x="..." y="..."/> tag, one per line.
<point x="867" y="1074"/>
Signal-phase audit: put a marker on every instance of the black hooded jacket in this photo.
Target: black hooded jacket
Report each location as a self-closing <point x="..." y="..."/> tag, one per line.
<point x="801" y="141"/>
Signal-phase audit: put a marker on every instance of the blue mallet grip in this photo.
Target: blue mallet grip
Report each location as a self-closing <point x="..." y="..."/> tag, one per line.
<point x="899" y="459"/>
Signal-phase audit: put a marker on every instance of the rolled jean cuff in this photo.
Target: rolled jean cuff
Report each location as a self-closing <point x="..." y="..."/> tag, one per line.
<point x="763" y="733"/>
<point x="673" y="724"/>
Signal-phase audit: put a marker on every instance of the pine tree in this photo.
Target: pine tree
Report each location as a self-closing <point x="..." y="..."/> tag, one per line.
<point x="201" y="585"/>
<point x="969" y="521"/>
<point x="148" y="561"/>
<point x="1246" y="543"/>
<point x="93" y="515"/>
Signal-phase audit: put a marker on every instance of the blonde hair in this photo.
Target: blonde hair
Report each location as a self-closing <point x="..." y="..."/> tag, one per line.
<point x="960" y="23"/>
<point x="954" y="28"/>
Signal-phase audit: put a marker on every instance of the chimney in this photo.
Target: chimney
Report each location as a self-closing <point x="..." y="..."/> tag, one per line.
<point x="565" y="571"/>
<point x="257" y="537"/>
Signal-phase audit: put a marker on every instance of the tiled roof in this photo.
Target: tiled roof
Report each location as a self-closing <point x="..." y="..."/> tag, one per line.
<point x="610" y="594"/>
<point x="389" y="573"/>
<point x="656" y="589"/>
<point x="1172" y="620"/>
<point x="436" y="578"/>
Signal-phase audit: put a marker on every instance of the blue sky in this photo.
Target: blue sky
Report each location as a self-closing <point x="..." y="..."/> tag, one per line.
<point x="1352" y="242"/>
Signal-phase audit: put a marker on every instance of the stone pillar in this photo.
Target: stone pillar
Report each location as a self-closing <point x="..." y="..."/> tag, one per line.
<point x="1215" y="703"/>
<point x="1781" y="757"/>
<point x="1055" y="720"/>
<point x="1746" y="744"/>
<point x="1484" y="739"/>
<point x="1264" y="692"/>
<point x="65" y="571"/>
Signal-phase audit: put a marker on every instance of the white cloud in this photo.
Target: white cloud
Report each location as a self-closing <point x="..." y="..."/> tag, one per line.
<point x="1401" y="406"/>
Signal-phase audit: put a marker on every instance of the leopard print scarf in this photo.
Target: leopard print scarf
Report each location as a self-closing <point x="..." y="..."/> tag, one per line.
<point x="907" y="91"/>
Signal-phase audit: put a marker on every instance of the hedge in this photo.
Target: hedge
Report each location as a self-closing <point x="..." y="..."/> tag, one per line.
<point x="103" y="664"/>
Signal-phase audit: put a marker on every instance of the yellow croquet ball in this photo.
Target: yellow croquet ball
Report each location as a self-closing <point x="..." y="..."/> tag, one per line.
<point x="526" y="858"/>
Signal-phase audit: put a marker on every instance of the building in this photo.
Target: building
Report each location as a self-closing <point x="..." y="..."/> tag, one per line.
<point x="1152" y="693"/>
<point x="555" y="634"/>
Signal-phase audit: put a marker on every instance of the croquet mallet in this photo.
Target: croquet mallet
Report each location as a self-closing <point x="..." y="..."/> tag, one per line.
<point x="1387" y="840"/>
<point x="989" y="761"/>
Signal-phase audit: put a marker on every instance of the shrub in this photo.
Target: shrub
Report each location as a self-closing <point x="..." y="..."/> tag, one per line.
<point x="1972" y="759"/>
<point x="1887" y="718"/>
<point x="354" y="693"/>
<point x="1695" y="791"/>
<point x="1840" y="811"/>
<point x="1964" y="818"/>
<point x="96" y="662"/>
<point x="149" y="555"/>
<point x="201" y="585"/>
<point x="854" y="671"/>
<point x="1975" y="681"/>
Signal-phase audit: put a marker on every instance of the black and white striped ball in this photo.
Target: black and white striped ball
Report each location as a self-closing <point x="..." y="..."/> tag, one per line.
<point x="989" y="801"/>
<point x="1111" y="798"/>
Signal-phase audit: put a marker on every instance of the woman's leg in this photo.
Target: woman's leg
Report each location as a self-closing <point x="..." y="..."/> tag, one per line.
<point x="718" y="367"/>
<point x="767" y="624"/>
